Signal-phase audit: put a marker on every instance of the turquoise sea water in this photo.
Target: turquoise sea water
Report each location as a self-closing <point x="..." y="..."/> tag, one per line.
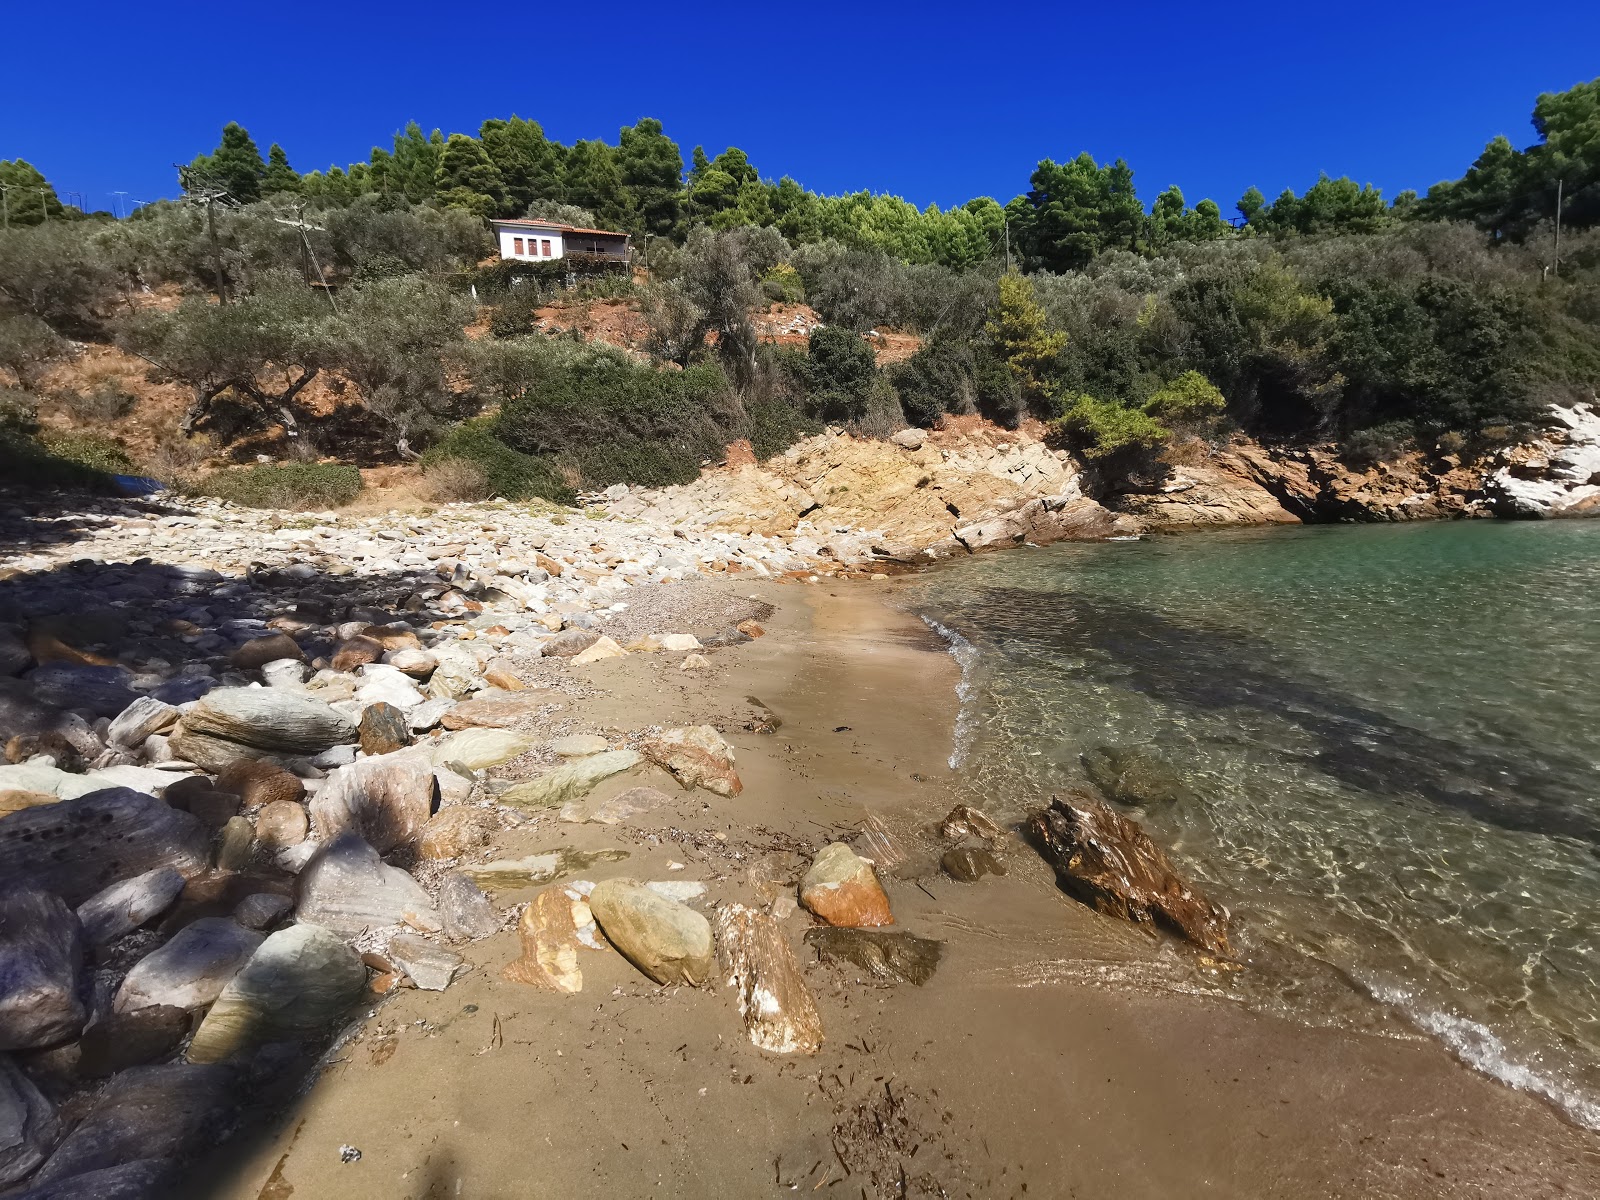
<point x="1392" y="734"/>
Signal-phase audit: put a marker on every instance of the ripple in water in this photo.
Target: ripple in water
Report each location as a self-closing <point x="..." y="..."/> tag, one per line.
<point x="1389" y="731"/>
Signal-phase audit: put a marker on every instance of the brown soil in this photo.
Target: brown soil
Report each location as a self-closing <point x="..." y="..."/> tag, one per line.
<point x="1055" y="1052"/>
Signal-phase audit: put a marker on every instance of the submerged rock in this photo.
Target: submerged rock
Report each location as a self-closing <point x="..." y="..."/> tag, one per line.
<point x="697" y="757"/>
<point x="190" y="971"/>
<point x="1109" y="862"/>
<point x="41" y="965"/>
<point x="97" y="839"/>
<point x="349" y="889"/>
<point x="963" y="822"/>
<point x="843" y="889"/>
<point x="548" y="929"/>
<point x="619" y="808"/>
<point x="570" y="780"/>
<point x="888" y="957"/>
<point x="668" y="941"/>
<point x="779" y="1012"/>
<point x="538" y="868"/>
<point x="1134" y="775"/>
<point x="968" y="864"/>
<point x="298" y="982"/>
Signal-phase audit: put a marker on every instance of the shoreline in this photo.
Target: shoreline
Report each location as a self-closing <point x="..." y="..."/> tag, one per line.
<point x="1054" y="1048"/>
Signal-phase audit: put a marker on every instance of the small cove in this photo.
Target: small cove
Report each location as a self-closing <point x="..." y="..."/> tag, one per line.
<point x="1387" y="734"/>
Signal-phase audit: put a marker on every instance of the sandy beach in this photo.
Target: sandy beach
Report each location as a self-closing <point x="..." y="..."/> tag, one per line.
<point x="1055" y="1052"/>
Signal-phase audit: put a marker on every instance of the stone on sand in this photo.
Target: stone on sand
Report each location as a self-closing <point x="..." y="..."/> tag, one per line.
<point x="190" y="971"/>
<point x="779" y="1012"/>
<point x="349" y="889"/>
<point x="466" y="910"/>
<point x="843" y="889"/>
<point x="570" y="780"/>
<point x="698" y="756"/>
<point x="668" y="941"/>
<point x="887" y="957"/>
<point x="548" y="929"/>
<point x="428" y="965"/>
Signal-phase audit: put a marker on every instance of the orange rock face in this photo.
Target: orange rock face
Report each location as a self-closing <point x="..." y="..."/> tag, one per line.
<point x="843" y="889"/>
<point x="549" y="933"/>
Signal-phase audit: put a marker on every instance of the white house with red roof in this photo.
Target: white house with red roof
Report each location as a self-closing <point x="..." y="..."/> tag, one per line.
<point x="528" y="240"/>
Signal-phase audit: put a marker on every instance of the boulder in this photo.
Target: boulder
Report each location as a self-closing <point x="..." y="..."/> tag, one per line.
<point x="209" y="805"/>
<point x="963" y="822"/>
<point x="679" y="642"/>
<point x="569" y="643"/>
<point x="118" y="1041"/>
<point x="452" y="679"/>
<point x="668" y="941"/>
<point x="496" y="711"/>
<point x="429" y="966"/>
<point x="262" y="910"/>
<point x="386" y="799"/>
<point x="258" y="652"/>
<point x="137" y="1180"/>
<point x="258" y="783"/>
<point x="103" y="691"/>
<point x="15" y="800"/>
<point x="349" y="889"/>
<point x="418" y="664"/>
<point x="123" y="907"/>
<point x="77" y="847"/>
<point x="479" y="748"/>
<point x="466" y="910"/>
<point x="190" y="971"/>
<point x="501" y="675"/>
<point x="28" y="1126"/>
<point x="381" y="684"/>
<point x="600" y="648"/>
<point x="549" y="932"/>
<point x="454" y="832"/>
<point x="968" y="864"/>
<point x="14" y="654"/>
<point x="570" y="780"/>
<point x="288" y="673"/>
<point x="779" y="1012"/>
<point x="383" y="729"/>
<point x="147" y="1113"/>
<point x="143" y="718"/>
<point x="299" y="981"/>
<point x="356" y="652"/>
<point x="843" y="889"/>
<point x="260" y="720"/>
<point x="281" y="824"/>
<point x="41" y="970"/>
<point x="236" y="848"/>
<point x="886" y="957"/>
<point x="1135" y="776"/>
<point x="696" y="757"/>
<point x="1109" y="862"/>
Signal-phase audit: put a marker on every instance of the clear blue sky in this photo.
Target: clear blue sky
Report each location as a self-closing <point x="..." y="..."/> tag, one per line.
<point x="932" y="101"/>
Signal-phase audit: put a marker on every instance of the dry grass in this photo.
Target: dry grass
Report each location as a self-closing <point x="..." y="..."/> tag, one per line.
<point x="452" y="480"/>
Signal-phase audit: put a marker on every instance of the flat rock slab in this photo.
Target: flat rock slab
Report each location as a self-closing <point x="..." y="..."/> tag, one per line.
<point x="579" y="745"/>
<point x="569" y="643"/>
<point x="508" y="873"/>
<point x="570" y="780"/>
<point x="635" y="802"/>
<point x="144" y="717"/>
<point x="28" y="1126"/>
<point x="548" y="929"/>
<point x="1110" y="863"/>
<point x="386" y="799"/>
<point x="968" y="864"/>
<point x="123" y="907"/>
<point x="668" y="941"/>
<point x="698" y="756"/>
<point x="266" y="719"/>
<point x="428" y="965"/>
<point x="779" y="1012"/>
<point x="963" y="821"/>
<point x="299" y="982"/>
<point x="480" y="747"/>
<point x="349" y="889"/>
<point x="41" y="966"/>
<point x="160" y="1112"/>
<point x="190" y="971"/>
<point x="497" y="711"/>
<point x="843" y="889"/>
<point x="886" y="957"/>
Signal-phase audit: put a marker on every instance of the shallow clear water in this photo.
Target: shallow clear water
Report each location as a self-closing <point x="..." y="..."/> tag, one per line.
<point x="1391" y="733"/>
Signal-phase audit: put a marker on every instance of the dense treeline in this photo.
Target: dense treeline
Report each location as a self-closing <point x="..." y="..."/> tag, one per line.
<point x="1442" y="321"/>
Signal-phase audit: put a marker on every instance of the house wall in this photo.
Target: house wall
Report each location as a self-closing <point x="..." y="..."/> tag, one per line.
<point x="506" y="237"/>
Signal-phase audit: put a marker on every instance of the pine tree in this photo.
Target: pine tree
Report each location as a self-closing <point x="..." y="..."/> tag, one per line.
<point x="236" y="164"/>
<point x="280" y="177"/>
<point x="530" y="165"/>
<point x="1024" y="339"/>
<point x="467" y="179"/>
<point x="30" y="199"/>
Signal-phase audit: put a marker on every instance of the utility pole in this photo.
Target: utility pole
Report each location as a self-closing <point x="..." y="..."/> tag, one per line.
<point x="1559" y="184"/>
<point x="122" y="205"/>
<point x="5" y="205"/>
<point x="44" y="203"/>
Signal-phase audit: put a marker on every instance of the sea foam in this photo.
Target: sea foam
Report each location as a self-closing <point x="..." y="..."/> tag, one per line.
<point x="966" y="656"/>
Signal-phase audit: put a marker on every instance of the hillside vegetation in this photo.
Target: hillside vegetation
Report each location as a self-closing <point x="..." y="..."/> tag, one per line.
<point x="353" y="313"/>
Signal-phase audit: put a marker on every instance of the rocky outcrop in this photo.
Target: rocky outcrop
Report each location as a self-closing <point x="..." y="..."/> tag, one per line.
<point x="1557" y="475"/>
<point x="1110" y="863"/>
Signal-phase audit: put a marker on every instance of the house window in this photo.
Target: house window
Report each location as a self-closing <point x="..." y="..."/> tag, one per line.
<point x="518" y="242"/>
<point x="544" y="247"/>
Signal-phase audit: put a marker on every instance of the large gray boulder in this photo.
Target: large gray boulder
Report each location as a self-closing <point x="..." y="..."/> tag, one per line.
<point x="78" y="847"/>
<point x="41" y="970"/>
<point x="191" y="970"/>
<point x="28" y="1126"/>
<point x="349" y="889"/>
<point x="386" y="799"/>
<point x="232" y="723"/>
<point x="123" y="907"/>
<point x="300" y="981"/>
<point x="145" y="716"/>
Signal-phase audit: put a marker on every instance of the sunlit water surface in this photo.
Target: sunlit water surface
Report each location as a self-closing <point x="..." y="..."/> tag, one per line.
<point x="1390" y="731"/>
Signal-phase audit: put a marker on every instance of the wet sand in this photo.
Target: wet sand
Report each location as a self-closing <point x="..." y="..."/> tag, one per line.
<point x="1055" y="1052"/>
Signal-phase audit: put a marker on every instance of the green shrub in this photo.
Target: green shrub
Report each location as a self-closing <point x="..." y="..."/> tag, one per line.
<point x="1366" y="448"/>
<point x="939" y="378"/>
<point x="1101" y="429"/>
<point x="510" y="473"/>
<point x="842" y="370"/>
<point x="92" y="450"/>
<point x="1189" y="399"/>
<point x="285" y="485"/>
